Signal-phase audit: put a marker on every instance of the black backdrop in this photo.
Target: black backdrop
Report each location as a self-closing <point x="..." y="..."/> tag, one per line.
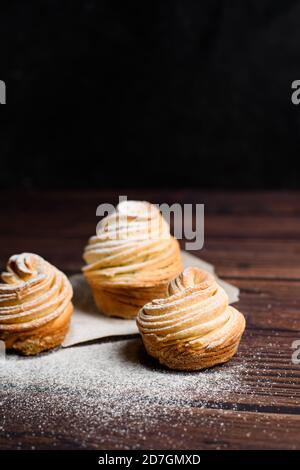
<point x="163" y="93"/>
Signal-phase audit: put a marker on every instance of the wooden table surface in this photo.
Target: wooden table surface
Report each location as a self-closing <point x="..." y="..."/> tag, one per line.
<point x="253" y="239"/>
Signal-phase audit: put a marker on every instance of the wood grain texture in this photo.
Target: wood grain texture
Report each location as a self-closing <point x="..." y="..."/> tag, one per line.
<point x="203" y="429"/>
<point x="254" y="241"/>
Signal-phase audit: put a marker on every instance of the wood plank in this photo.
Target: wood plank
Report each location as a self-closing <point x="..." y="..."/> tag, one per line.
<point x="257" y="258"/>
<point x="260" y="378"/>
<point x="65" y="253"/>
<point x="253" y="239"/>
<point x="181" y="429"/>
<point x="216" y="202"/>
<point x="262" y="410"/>
<point x="70" y="223"/>
<point x="242" y="259"/>
<point x="74" y="215"/>
<point x="245" y="226"/>
<point x="270" y="305"/>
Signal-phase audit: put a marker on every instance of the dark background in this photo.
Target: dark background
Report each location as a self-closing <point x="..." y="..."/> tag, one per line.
<point x="181" y="93"/>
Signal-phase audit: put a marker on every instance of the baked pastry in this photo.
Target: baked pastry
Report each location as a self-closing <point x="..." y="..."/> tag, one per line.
<point x="131" y="260"/>
<point x="193" y="327"/>
<point x="35" y="304"/>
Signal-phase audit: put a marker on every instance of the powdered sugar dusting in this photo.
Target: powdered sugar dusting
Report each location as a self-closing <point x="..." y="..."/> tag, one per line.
<point x="105" y="385"/>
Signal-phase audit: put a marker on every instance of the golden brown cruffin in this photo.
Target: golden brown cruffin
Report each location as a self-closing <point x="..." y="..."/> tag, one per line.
<point x="131" y="260"/>
<point x="193" y="327"/>
<point x="35" y="304"/>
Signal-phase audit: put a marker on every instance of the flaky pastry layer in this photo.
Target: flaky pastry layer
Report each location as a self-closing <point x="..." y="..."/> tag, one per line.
<point x="193" y="327"/>
<point x="35" y="304"/>
<point x="132" y="259"/>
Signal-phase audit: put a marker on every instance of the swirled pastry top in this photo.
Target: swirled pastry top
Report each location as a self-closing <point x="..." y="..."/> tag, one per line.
<point x="33" y="293"/>
<point x="133" y="246"/>
<point x="196" y="312"/>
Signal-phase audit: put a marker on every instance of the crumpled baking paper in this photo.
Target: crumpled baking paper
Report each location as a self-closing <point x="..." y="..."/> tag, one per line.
<point x="89" y="324"/>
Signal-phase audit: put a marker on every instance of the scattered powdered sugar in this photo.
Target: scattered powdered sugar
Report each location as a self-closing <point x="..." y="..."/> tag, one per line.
<point x="114" y="386"/>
